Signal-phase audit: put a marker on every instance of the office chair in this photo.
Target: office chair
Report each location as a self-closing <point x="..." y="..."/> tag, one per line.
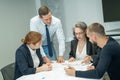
<point x="106" y="76"/>
<point x="8" y="72"/>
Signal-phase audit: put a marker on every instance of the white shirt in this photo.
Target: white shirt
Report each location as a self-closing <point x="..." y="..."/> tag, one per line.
<point x="35" y="58"/>
<point x="81" y="56"/>
<point x="36" y="24"/>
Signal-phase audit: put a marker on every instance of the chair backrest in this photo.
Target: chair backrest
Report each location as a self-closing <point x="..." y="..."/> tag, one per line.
<point x="8" y="72"/>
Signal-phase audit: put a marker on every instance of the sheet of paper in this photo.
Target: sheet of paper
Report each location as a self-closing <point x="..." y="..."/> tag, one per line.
<point x="57" y="73"/>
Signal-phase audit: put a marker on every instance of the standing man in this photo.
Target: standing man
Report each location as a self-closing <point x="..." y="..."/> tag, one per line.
<point x="48" y="26"/>
<point x="109" y="58"/>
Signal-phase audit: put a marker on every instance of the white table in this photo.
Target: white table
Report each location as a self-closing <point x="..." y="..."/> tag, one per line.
<point x="57" y="73"/>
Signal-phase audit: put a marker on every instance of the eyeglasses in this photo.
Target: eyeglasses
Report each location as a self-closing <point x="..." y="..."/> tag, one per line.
<point x="80" y="33"/>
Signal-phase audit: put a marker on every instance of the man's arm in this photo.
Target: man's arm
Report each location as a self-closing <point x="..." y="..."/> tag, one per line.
<point x="61" y="41"/>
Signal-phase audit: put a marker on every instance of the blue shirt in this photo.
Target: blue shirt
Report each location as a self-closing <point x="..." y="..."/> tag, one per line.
<point x="36" y="24"/>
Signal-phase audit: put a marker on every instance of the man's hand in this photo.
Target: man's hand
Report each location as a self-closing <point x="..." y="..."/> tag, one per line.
<point x="70" y="71"/>
<point x="87" y="59"/>
<point x="60" y="59"/>
<point x="90" y="67"/>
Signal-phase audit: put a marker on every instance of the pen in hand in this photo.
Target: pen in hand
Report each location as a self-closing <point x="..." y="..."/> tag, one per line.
<point x="70" y="70"/>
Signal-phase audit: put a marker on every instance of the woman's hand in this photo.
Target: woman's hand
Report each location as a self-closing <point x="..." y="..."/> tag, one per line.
<point x="87" y="59"/>
<point x="44" y="67"/>
<point x="47" y="67"/>
<point x="71" y="59"/>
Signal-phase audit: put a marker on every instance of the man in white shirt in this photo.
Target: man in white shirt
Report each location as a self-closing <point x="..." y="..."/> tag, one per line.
<point x="39" y="24"/>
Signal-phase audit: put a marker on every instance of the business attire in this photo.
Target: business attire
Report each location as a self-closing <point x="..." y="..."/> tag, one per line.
<point x="109" y="60"/>
<point x="36" y="24"/>
<point x="26" y="61"/>
<point x="89" y="49"/>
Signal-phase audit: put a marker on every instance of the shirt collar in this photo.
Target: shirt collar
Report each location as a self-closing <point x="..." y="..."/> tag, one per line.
<point x="31" y="50"/>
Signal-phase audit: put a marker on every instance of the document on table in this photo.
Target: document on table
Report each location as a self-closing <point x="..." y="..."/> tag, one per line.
<point x="57" y="73"/>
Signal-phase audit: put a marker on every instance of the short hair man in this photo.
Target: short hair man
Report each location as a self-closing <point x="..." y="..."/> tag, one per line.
<point x="45" y="20"/>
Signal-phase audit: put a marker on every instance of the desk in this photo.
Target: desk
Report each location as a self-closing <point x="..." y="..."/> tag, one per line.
<point x="57" y="73"/>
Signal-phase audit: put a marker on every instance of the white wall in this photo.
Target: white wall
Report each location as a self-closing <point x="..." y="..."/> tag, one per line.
<point x="88" y="11"/>
<point x="37" y="4"/>
<point x="14" y="24"/>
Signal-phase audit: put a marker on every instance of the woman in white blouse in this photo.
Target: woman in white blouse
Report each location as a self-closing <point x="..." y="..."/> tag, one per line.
<point x="81" y="48"/>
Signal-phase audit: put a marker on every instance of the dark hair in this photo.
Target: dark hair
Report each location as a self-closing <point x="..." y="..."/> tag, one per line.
<point x="43" y="10"/>
<point x="80" y="25"/>
<point x="32" y="37"/>
<point x="97" y="28"/>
